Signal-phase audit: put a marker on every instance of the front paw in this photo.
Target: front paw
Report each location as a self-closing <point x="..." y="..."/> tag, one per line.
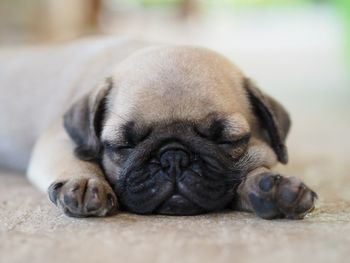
<point x="83" y="197"/>
<point x="274" y="196"/>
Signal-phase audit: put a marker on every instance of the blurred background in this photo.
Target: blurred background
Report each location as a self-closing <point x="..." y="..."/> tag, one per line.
<point x="296" y="50"/>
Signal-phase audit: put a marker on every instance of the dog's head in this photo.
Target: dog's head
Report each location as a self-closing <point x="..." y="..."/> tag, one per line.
<point x="170" y="127"/>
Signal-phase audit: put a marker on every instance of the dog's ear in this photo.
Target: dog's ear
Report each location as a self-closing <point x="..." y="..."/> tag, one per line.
<point x="272" y="117"/>
<point x="84" y="119"/>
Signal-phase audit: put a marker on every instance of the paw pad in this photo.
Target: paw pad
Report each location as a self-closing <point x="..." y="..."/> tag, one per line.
<point x="268" y="181"/>
<point x="288" y="194"/>
<point x="264" y="208"/>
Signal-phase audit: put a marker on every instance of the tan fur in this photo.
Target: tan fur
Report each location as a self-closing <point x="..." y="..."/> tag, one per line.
<point x="53" y="159"/>
<point x="185" y="82"/>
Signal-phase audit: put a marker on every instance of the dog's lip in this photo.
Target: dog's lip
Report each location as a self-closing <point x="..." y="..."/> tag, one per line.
<point x="179" y="205"/>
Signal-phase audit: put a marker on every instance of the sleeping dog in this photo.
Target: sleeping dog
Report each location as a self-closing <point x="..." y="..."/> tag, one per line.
<point x="121" y="125"/>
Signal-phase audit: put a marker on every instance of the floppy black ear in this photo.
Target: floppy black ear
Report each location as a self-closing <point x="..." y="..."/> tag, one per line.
<point x="83" y="122"/>
<point x="272" y="116"/>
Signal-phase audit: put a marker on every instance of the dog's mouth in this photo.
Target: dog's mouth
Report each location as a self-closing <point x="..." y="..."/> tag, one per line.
<point x="179" y="205"/>
<point x="169" y="202"/>
<point x="192" y="190"/>
<point x="177" y="181"/>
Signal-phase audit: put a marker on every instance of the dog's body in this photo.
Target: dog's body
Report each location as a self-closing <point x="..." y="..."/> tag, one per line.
<point x="39" y="84"/>
<point x="166" y="129"/>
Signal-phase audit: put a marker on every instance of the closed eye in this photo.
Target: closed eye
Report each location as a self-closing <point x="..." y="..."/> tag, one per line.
<point x="134" y="133"/>
<point x="236" y="141"/>
<point x="113" y="147"/>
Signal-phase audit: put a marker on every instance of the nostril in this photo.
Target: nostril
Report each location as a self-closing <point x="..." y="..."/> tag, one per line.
<point x="164" y="162"/>
<point x="174" y="158"/>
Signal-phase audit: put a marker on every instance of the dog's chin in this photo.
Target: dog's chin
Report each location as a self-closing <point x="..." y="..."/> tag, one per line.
<point x="179" y="205"/>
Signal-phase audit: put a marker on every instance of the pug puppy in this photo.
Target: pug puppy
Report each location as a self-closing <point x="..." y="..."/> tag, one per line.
<point x="172" y="130"/>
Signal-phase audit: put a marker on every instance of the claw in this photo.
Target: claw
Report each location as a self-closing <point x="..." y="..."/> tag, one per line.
<point x="314" y="195"/>
<point x="53" y="191"/>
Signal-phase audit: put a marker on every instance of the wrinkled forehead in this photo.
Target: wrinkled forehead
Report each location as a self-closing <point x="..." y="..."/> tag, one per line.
<point x="126" y="131"/>
<point x="176" y="83"/>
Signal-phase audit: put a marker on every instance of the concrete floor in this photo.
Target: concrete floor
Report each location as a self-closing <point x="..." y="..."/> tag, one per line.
<point x="32" y="230"/>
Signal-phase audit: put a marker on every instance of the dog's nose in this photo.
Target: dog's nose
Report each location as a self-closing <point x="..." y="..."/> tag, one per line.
<point x="174" y="160"/>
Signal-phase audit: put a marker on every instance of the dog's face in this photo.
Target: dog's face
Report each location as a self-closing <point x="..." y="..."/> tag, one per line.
<point x="172" y="128"/>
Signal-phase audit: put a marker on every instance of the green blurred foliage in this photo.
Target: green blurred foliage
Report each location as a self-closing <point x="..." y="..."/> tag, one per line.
<point x="344" y="10"/>
<point x="151" y="3"/>
<point x="264" y="2"/>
